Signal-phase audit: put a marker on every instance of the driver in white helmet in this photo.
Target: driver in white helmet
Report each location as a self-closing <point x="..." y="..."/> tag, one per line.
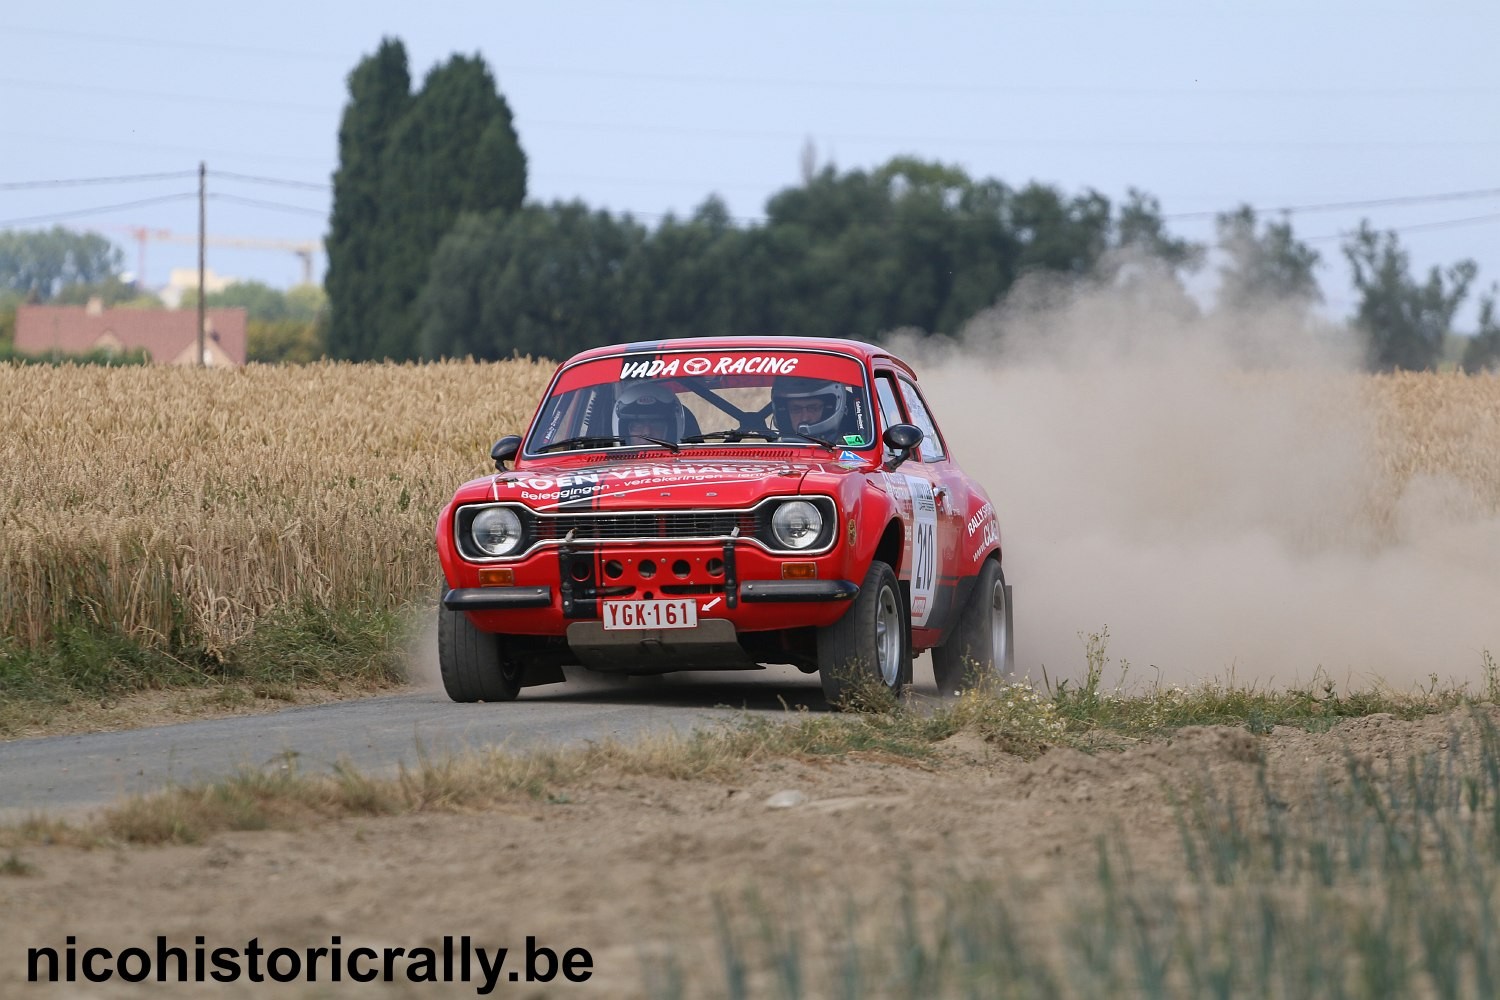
<point x="808" y="406"/>
<point x="644" y="411"/>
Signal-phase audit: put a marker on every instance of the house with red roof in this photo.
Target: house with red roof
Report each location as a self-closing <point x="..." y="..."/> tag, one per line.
<point x="168" y="336"/>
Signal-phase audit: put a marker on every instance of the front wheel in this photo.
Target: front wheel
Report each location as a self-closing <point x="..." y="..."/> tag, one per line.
<point x="472" y="661"/>
<point x="870" y="647"/>
<point x="982" y="645"/>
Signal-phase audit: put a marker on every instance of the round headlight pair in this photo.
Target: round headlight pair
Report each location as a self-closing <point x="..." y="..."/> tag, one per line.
<point x="496" y="531"/>
<point x="797" y="524"/>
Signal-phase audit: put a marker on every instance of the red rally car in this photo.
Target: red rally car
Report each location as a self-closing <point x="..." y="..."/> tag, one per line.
<point x="719" y="504"/>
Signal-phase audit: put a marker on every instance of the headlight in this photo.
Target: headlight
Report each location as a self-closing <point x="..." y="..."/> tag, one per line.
<point x="497" y="531"/>
<point x="797" y="524"/>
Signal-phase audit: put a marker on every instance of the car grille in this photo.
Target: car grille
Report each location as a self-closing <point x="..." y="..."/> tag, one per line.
<point x="685" y="525"/>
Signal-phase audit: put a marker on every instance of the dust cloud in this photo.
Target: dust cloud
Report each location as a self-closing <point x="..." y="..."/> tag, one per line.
<point x="1213" y="491"/>
<point x="422" y="670"/>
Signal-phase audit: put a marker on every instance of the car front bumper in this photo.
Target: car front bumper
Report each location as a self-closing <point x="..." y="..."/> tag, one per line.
<point x="750" y="592"/>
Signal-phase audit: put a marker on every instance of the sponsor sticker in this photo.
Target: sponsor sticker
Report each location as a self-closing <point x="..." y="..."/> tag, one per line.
<point x="987" y="540"/>
<point x="724" y="364"/>
<point x="923" y="549"/>
<point x="981" y="517"/>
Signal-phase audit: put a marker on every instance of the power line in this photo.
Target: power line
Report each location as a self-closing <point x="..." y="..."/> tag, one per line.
<point x="168" y="43"/>
<point x="987" y="140"/>
<point x="1330" y="206"/>
<point x="1414" y="228"/>
<point x="861" y="85"/>
<point x="90" y="142"/>
<point x="98" y="210"/>
<point x="273" y="205"/>
<point x="278" y="181"/>
<point x="156" y="95"/>
<point x="81" y="181"/>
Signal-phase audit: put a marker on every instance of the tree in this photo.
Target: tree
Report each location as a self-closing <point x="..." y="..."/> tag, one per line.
<point x="1058" y="234"/>
<point x="1483" y="351"/>
<point x="1263" y="268"/>
<point x="1140" y="228"/>
<point x="306" y="302"/>
<point x="684" y="279"/>
<point x="455" y="150"/>
<point x="259" y="300"/>
<point x="111" y="292"/>
<point x="910" y="244"/>
<point x="545" y="281"/>
<point x="358" y="238"/>
<point x="280" y="326"/>
<point x="40" y="264"/>
<point x="1406" y="322"/>
<point x="9" y="302"/>
<point x="284" y="341"/>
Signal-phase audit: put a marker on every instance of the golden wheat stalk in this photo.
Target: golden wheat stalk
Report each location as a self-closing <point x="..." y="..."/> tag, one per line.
<point x="154" y="500"/>
<point x="168" y="502"/>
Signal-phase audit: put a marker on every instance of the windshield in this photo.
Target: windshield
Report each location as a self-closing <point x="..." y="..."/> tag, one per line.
<point x="687" y="399"/>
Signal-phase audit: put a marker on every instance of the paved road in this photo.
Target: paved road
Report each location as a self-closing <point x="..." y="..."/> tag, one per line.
<point x="68" y="773"/>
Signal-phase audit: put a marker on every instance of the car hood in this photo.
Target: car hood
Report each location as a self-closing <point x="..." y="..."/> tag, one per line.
<point x="679" y="481"/>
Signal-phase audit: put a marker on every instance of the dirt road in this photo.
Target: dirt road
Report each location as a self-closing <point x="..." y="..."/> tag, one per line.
<point x="378" y="734"/>
<point x="638" y="871"/>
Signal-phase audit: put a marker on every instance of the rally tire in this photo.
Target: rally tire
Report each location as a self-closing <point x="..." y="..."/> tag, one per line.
<point x="869" y="648"/>
<point x="472" y="661"/>
<point x="982" y="647"/>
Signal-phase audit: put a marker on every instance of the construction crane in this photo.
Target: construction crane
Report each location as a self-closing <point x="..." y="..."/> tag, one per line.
<point x="304" y="249"/>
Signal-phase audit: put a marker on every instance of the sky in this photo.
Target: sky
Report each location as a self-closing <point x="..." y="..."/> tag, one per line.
<point x="650" y="106"/>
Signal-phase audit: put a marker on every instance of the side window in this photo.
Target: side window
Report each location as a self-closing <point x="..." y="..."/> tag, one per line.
<point x="932" y="443"/>
<point x="890" y="409"/>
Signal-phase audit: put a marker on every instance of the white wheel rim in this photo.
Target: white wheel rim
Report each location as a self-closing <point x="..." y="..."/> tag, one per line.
<point x="888" y="636"/>
<point x="999" y="629"/>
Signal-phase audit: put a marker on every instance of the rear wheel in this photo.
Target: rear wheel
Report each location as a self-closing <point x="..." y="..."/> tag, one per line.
<point x="870" y="647"/>
<point x="982" y="645"/>
<point x="473" y="662"/>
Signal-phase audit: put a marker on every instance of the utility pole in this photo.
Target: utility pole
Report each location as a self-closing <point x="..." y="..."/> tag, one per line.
<point x="202" y="219"/>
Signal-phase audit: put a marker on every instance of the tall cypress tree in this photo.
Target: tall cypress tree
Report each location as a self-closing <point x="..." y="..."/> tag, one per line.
<point x="379" y="96"/>
<point x="454" y="151"/>
<point x="409" y="166"/>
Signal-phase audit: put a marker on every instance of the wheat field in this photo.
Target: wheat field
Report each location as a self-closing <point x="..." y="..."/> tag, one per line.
<point x="177" y="505"/>
<point x="158" y="500"/>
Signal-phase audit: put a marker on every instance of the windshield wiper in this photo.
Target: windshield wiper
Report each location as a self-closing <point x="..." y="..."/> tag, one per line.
<point x="816" y="440"/>
<point x="587" y="441"/>
<point x="669" y="445"/>
<point x="731" y="436"/>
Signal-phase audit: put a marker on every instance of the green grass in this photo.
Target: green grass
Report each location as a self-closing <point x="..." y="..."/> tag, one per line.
<point x="87" y="663"/>
<point x="1383" y="881"/>
<point x="1089" y="708"/>
<point x="1013" y="718"/>
<point x="1379" y="880"/>
<point x="13" y="864"/>
<point x="105" y="358"/>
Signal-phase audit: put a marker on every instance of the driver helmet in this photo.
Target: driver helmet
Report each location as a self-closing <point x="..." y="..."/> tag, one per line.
<point x="647" y="410"/>
<point x="808" y="402"/>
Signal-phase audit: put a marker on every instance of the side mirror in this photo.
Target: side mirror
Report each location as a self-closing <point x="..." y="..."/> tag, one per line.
<point x="505" y="449"/>
<point x="901" y="439"/>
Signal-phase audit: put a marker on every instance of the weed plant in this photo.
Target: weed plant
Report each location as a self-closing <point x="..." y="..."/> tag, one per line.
<point x="1380" y="882"/>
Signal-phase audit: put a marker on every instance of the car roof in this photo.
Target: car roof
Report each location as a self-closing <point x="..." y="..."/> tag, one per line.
<point x="867" y="353"/>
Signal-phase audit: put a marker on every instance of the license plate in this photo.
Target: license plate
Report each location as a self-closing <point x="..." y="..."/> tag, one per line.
<point x="650" y="614"/>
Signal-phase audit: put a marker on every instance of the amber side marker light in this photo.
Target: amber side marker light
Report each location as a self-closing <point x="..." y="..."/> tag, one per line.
<point x="496" y="577"/>
<point x="799" y="571"/>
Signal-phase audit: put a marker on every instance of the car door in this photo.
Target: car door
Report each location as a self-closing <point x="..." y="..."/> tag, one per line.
<point x="937" y="515"/>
